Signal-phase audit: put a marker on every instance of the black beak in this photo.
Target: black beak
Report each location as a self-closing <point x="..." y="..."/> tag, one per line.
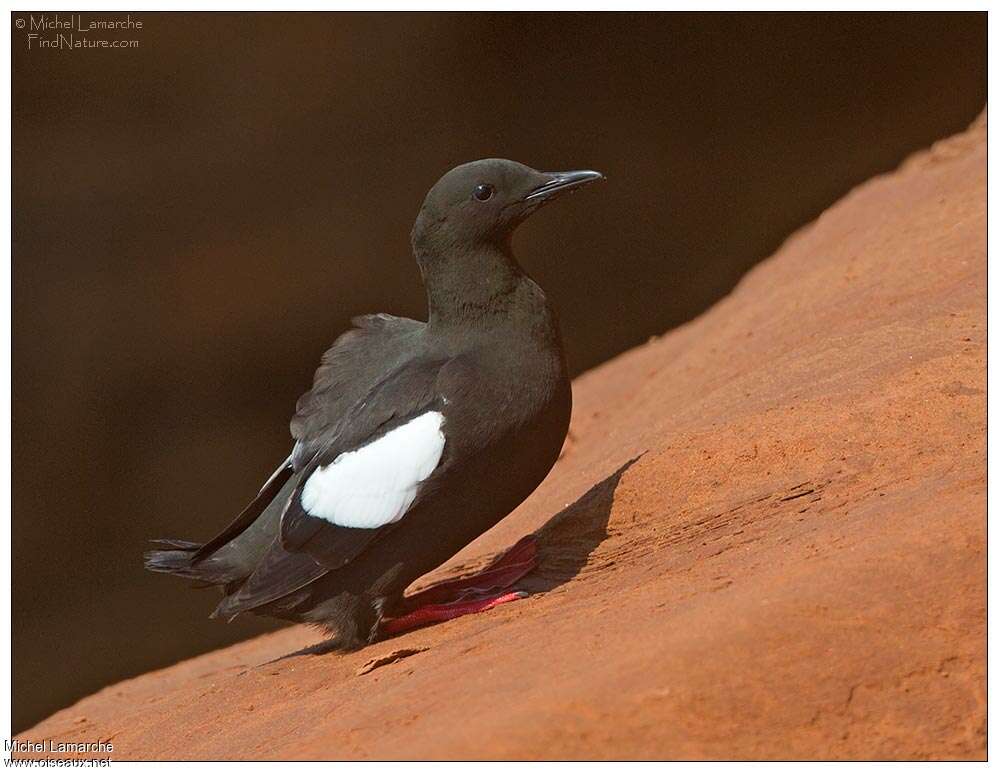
<point x="563" y="181"/>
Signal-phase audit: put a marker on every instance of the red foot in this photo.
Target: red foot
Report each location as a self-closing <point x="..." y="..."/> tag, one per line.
<point x="438" y="613"/>
<point x="468" y="595"/>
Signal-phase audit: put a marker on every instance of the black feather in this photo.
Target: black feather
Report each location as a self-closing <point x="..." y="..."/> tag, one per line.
<point x="278" y="574"/>
<point x="180" y="561"/>
<point x="250" y="513"/>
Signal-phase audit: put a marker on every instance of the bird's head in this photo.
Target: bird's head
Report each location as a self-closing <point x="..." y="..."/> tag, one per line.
<point x="483" y="202"/>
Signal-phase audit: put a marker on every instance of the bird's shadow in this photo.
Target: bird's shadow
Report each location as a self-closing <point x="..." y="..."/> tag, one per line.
<point x="565" y="543"/>
<point x="567" y="540"/>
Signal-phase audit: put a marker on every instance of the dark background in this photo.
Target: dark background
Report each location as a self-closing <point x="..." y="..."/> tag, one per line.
<point x="197" y="219"/>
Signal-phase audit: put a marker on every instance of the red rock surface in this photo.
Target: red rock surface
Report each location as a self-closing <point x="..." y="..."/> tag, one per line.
<point x="792" y="566"/>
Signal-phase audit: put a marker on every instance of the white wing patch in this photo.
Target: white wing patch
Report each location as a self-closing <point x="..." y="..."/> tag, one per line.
<point x="375" y="484"/>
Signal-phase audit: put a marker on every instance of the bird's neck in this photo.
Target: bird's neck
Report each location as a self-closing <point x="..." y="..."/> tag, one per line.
<point x="469" y="285"/>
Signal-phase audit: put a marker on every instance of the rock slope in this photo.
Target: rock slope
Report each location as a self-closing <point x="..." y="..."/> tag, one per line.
<point x="765" y="539"/>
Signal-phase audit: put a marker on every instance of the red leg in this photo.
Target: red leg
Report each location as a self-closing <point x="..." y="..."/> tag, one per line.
<point x="467" y="595"/>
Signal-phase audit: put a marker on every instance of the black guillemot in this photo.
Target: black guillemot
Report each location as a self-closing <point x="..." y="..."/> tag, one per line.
<point x="415" y="438"/>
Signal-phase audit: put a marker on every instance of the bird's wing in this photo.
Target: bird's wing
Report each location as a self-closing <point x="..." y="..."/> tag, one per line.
<point x="370" y="468"/>
<point x="348" y="370"/>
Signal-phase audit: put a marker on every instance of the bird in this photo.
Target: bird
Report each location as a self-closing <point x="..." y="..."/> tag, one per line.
<point x="415" y="438"/>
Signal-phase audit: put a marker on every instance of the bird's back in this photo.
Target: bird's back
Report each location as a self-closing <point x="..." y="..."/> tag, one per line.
<point x="377" y="345"/>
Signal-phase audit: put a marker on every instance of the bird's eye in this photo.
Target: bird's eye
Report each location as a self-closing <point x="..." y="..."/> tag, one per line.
<point x="483" y="192"/>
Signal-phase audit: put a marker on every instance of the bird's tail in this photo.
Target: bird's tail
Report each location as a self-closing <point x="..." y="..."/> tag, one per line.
<point x="176" y="556"/>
